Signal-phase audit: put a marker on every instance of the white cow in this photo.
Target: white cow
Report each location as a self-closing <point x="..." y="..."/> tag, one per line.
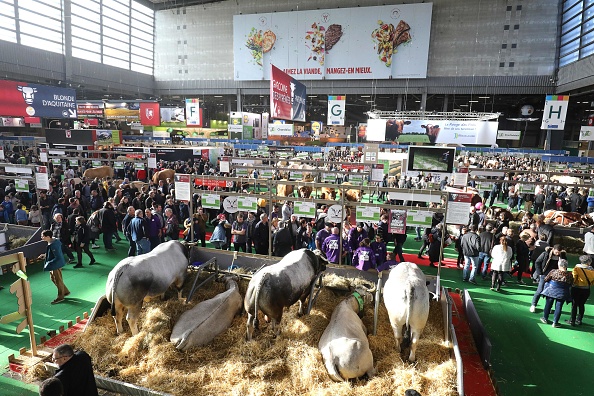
<point x="135" y="278"/>
<point x="344" y="345"/>
<point x="201" y="324"/>
<point x="407" y="300"/>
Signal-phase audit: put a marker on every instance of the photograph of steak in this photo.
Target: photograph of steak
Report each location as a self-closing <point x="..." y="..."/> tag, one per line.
<point x="333" y="35"/>
<point x="402" y="34"/>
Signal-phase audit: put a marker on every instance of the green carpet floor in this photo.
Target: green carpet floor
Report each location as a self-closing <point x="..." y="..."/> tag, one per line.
<point x="528" y="358"/>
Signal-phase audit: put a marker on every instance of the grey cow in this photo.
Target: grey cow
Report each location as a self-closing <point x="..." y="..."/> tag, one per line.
<point x="344" y="345"/>
<point x="201" y="324"/>
<point x="135" y="278"/>
<point x="282" y="285"/>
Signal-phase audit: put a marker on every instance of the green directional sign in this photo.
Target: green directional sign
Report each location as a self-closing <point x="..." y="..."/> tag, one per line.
<point x="419" y="218"/>
<point x="118" y="165"/>
<point x="95" y="163"/>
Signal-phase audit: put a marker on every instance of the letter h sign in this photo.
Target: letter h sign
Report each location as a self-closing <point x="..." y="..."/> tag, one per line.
<point x="554" y="113"/>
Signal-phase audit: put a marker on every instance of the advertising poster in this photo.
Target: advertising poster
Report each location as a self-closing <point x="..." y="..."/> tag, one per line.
<point x="287" y="96"/>
<point x="305" y="209"/>
<point x="379" y="42"/>
<point x="128" y="112"/>
<point x="458" y="208"/>
<point x="21" y="185"/>
<point x="336" y="109"/>
<point x="368" y="214"/>
<point x="235" y="126"/>
<point x="265" y="119"/>
<point x="508" y="135"/>
<point x="41" y="179"/>
<point x="12" y="121"/>
<point x="43" y="155"/>
<point x="428" y="131"/>
<point x="211" y="201"/>
<point x="182" y="187"/>
<point x="90" y="110"/>
<point x="108" y="137"/>
<point x="420" y="218"/>
<point x="193" y="113"/>
<point x="398" y="221"/>
<point x="174" y="116"/>
<point x="555" y="111"/>
<point x="461" y="177"/>
<point x="21" y="99"/>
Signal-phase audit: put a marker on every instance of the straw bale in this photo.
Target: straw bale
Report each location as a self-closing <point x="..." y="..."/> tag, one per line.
<point x="290" y="364"/>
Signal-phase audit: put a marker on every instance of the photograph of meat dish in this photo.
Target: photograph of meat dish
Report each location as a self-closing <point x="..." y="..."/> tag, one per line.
<point x="333" y="35"/>
<point x="320" y="40"/>
<point x="387" y="38"/>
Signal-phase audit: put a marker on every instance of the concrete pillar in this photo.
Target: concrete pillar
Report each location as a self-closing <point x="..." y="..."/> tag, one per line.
<point x="399" y="102"/>
<point x="445" y="103"/>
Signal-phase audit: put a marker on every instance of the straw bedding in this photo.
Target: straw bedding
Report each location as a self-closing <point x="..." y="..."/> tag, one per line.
<point x="290" y="364"/>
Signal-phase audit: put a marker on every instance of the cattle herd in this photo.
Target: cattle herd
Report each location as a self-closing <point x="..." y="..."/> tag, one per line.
<point x="343" y="345"/>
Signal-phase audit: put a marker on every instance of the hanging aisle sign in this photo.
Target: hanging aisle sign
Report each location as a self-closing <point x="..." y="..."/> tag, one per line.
<point x="555" y="110"/>
<point x="41" y="178"/>
<point x="182" y="187"/>
<point x="211" y="201"/>
<point x="368" y="214"/>
<point x="336" y="109"/>
<point x="305" y="209"/>
<point x="21" y="185"/>
<point x="458" y="208"/>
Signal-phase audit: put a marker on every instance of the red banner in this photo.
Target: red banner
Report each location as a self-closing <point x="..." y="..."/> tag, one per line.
<point x="212" y="183"/>
<point x="150" y="114"/>
<point x="353" y="166"/>
<point x="287" y="96"/>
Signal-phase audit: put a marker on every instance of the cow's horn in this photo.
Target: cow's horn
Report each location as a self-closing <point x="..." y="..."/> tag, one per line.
<point x="371" y="288"/>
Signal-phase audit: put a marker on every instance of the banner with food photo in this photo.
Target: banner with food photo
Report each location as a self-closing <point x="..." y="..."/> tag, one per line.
<point x="378" y="42"/>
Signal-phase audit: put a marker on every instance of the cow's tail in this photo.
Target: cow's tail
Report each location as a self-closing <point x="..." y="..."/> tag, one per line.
<point x="410" y="296"/>
<point x="333" y="371"/>
<point x="257" y="297"/>
<point x="116" y="277"/>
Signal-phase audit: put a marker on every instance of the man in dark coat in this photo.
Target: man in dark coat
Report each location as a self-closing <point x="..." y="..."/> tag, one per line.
<point x="75" y="371"/>
<point x="261" y="236"/>
<point x="282" y="241"/>
<point x="109" y="225"/>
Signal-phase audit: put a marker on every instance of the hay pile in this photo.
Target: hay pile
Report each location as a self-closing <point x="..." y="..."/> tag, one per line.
<point x="288" y="365"/>
<point x="16" y="242"/>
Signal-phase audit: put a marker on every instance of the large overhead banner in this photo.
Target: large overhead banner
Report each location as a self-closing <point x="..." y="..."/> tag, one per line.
<point x="123" y="111"/>
<point x="431" y="131"/>
<point x="150" y="114"/>
<point x="336" y="109"/>
<point x="287" y="96"/>
<point x="26" y="100"/>
<point x="555" y="110"/>
<point x="347" y="43"/>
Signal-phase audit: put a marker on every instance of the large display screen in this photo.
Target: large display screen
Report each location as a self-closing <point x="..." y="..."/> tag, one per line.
<point x="431" y="159"/>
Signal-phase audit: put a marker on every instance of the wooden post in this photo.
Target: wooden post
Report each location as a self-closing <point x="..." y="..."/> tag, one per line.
<point x="22" y="263"/>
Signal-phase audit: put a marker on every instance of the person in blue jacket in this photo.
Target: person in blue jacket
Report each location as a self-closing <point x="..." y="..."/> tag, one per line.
<point x="363" y="257"/>
<point x="54" y="262"/>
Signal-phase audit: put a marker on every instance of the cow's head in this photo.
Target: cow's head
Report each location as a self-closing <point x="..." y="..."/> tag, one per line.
<point x="321" y="262"/>
<point x="28" y="93"/>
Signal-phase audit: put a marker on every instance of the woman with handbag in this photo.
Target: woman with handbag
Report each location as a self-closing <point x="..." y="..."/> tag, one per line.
<point x="557" y="289"/>
<point x="501" y="255"/>
<point x="583" y="278"/>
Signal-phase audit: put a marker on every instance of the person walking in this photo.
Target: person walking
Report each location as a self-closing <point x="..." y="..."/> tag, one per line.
<point x="583" y="279"/>
<point x="501" y="255"/>
<point x="487" y="242"/>
<point x="126" y="230"/>
<point x="547" y="262"/>
<point x="139" y="233"/>
<point x="54" y="262"/>
<point x="557" y="290"/>
<point x="109" y="225"/>
<point x="471" y="246"/>
<point x="82" y="240"/>
<point x="61" y="232"/>
<point x="522" y="257"/>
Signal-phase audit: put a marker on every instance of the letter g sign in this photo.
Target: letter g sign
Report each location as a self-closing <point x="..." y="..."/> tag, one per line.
<point x="336" y="110"/>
